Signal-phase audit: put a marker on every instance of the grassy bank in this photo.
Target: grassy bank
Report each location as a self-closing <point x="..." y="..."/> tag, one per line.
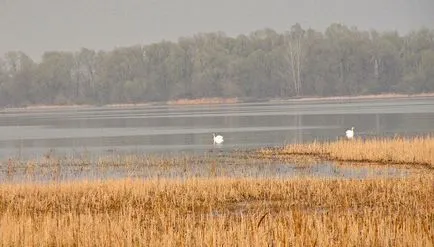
<point x="216" y="210"/>
<point x="220" y="211"/>
<point x="412" y="151"/>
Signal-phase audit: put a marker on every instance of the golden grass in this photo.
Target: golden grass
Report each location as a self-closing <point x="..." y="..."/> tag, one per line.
<point x="414" y="151"/>
<point x="220" y="212"/>
<point x="201" y="101"/>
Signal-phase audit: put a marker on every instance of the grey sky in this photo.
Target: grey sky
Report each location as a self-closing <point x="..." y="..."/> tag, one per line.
<point x="35" y="26"/>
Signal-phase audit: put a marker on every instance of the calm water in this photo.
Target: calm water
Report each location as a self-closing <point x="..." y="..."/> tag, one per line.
<point x="174" y="129"/>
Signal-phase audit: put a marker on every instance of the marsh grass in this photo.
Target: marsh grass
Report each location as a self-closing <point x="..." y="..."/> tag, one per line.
<point x="61" y="168"/>
<point x="410" y="151"/>
<point x="220" y="211"/>
<point x="51" y="167"/>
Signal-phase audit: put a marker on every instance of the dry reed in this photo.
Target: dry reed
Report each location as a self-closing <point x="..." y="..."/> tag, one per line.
<point x="202" y="101"/>
<point x="414" y="151"/>
<point x="220" y="211"/>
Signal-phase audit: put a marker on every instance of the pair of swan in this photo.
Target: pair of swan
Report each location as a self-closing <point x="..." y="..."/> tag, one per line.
<point x="218" y="139"/>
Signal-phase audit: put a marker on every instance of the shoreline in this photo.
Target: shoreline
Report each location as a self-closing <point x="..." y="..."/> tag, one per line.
<point x="219" y="101"/>
<point x="357" y="97"/>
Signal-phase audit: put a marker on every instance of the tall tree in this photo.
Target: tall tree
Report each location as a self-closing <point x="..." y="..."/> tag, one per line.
<point x="295" y="42"/>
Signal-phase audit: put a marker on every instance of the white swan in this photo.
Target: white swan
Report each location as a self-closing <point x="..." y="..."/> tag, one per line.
<point x="350" y="133"/>
<point x="218" y="139"/>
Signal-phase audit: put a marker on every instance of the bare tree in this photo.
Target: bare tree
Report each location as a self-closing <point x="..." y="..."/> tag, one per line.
<point x="295" y="56"/>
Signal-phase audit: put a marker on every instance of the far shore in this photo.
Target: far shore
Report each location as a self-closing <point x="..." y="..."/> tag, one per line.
<point x="361" y="97"/>
<point x="216" y="101"/>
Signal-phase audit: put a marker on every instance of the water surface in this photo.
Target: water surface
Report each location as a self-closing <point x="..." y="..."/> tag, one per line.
<point x="180" y="129"/>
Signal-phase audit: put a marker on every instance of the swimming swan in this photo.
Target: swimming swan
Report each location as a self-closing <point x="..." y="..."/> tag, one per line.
<point x="218" y="139"/>
<point x="350" y="133"/>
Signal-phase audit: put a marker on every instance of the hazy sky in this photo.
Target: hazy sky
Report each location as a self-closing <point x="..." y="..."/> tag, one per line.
<point x="35" y="26"/>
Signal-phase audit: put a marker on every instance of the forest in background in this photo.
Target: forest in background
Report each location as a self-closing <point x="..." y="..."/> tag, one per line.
<point x="265" y="64"/>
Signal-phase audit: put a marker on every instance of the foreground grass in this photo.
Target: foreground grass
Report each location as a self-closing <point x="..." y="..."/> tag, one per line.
<point x="414" y="151"/>
<point x="220" y="211"/>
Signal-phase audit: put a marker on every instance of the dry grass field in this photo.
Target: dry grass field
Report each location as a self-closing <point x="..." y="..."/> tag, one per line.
<point x="414" y="151"/>
<point x="220" y="212"/>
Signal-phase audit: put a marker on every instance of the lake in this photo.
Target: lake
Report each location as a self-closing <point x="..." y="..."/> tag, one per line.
<point x="173" y="129"/>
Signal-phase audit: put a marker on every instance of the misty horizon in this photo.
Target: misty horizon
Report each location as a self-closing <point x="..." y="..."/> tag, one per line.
<point x="49" y="25"/>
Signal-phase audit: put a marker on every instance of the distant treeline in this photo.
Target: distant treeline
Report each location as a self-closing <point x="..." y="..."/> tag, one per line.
<point x="264" y="64"/>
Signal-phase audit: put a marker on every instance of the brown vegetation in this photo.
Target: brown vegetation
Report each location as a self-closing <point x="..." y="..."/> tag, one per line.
<point x="203" y="101"/>
<point x="215" y="212"/>
<point x="414" y="151"/>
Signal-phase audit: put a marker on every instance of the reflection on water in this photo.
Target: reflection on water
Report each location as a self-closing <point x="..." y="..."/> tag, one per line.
<point x="174" y="129"/>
